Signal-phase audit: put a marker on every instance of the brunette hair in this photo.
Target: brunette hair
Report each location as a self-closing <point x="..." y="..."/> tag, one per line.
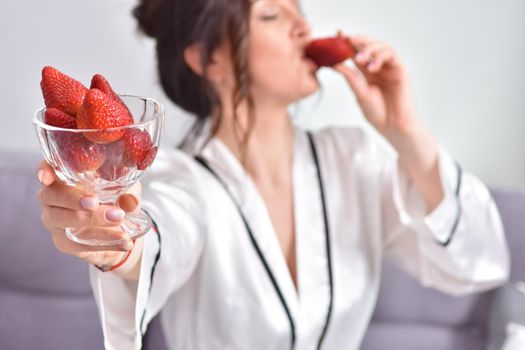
<point x="176" y="24"/>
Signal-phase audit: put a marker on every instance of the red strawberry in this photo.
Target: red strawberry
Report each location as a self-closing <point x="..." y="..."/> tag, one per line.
<point x="56" y="117"/>
<point x="330" y="51"/>
<point x="78" y="153"/>
<point x="99" y="82"/>
<point x="137" y="147"/>
<point x="146" y="162"/>
<point x="99" y="111"/>
<point x="61" y="91"/>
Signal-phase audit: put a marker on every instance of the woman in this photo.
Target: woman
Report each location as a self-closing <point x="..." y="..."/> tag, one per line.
<point x="269" y="237"/>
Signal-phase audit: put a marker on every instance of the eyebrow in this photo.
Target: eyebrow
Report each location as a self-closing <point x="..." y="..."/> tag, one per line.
<point x="295" y="2"/>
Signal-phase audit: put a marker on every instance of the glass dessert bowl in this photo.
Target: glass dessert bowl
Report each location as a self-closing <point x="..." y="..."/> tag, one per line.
<point x="105" y="162"/>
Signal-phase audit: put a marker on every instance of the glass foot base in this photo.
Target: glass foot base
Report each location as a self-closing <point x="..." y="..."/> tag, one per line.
<point x="135" y="225"/>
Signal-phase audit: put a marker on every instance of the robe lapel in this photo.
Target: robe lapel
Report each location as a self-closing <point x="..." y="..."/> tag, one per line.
<point x="311" y="247"/>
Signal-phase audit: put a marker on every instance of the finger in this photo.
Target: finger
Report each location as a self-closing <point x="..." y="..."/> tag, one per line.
<point x="103" y="258"/>
<point x="60" y="218"/>
<point x="104" y="236"/>
<point x="368" y="52"/>
<point x="61" y="195"/>
<point x="129" y="201"/>
<point x="45" y="173"/>
<point x="380" y="59"/>
<point x="119" y="239"/>
<point x="356" y="81"/>
<point x="360" y="41"/>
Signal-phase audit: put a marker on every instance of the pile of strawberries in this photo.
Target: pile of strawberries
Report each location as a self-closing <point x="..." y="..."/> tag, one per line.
<point x="71" y="105"/>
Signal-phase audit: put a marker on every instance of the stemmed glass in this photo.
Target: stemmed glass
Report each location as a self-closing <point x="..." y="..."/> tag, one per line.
<point x="103" y="169"/>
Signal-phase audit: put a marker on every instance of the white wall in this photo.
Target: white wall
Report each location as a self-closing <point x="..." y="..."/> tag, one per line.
<point x="467" y="60"/>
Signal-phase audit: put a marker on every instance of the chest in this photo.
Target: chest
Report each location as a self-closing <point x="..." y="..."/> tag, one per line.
<point x="279" y="203"/>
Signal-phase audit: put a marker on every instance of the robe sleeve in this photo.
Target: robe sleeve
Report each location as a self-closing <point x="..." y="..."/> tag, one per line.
<point x="457" y="248"/>
<point x="171" y="253"/>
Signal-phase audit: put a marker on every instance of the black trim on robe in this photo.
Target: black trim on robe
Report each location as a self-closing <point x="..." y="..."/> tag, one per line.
<point x="460" y="208"/>
<point x="255" y="245"/>
<point x="327" y="241"/>
<point x="157" y="257"/>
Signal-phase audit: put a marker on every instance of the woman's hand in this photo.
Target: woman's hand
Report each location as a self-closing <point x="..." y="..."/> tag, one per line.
<point x="382" y="87"/>
<point x="383" y="90"/>
<point x="66" y="206"/>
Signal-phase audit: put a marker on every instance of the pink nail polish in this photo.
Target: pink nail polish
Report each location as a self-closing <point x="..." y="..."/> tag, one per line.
<point x="89" y="203"/>
<point x="115" y="214"/>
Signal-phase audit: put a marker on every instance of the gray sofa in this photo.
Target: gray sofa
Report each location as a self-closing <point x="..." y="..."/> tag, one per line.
<point x="46" y="301"/>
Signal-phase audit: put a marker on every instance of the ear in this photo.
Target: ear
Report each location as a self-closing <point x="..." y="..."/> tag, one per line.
<point x="193" y="58"/>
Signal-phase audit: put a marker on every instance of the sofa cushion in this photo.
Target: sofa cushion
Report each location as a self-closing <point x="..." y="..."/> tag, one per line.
<point x="403" y="299"/>
<point x="418" y="336"/>
<point x="403" y="303"/>
<point x="511" y="204"/>
<point x="507" y="308"/>
<point x="45" y="296"/>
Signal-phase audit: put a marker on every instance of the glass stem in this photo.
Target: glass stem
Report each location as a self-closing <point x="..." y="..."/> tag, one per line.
<point x="109" y="199"/>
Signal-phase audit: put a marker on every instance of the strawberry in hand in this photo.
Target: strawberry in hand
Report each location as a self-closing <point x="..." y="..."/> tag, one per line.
<point x="329" y="51"/>
<point x="100" y="111"/>
<point x="382" y="87"/>
<point x="383" y="90"/>
<point x="61" y="91"/>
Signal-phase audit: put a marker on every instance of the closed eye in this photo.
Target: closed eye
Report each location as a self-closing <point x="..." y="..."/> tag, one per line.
<point x="268" y="17"/>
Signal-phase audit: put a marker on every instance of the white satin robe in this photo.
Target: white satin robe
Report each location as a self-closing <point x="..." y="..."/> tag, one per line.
<point x="210" y="286"/>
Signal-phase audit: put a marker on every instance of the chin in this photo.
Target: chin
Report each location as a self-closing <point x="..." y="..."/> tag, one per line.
<point x="304" y="93"/>
<point x="310" y="88"/>
<point x="292" y="93"/>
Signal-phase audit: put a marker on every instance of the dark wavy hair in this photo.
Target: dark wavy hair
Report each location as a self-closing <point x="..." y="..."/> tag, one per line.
<point x="175" y="25"/>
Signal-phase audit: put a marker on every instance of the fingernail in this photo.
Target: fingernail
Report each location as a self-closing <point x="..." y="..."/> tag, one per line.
<point x="128" y="202"/>
<point x="115" y="214"/>
<point x="89" y="203"/>
<point x="360" y="56"/>
<point x="40" y="176"/>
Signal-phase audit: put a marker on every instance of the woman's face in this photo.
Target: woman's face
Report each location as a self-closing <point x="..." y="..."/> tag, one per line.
<point x="278" y="68"/>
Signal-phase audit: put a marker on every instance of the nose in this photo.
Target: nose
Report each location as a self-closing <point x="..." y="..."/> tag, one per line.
<point x="301" y="29"/>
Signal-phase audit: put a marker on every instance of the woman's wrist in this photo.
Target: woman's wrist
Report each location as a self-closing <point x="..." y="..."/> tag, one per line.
<point x="416" y="147"/>
<point x="131" y="268"/>
<point x="419" y="157"/>
<point x="121" y="261"/>
<point x="128" y="266"/>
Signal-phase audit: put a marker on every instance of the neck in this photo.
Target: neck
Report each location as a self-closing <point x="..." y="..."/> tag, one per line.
<point x="267" y="155"/>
